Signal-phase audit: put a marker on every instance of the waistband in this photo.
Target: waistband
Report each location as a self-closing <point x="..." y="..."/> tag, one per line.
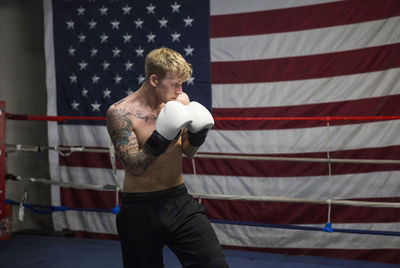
<point x="154" y="196"/>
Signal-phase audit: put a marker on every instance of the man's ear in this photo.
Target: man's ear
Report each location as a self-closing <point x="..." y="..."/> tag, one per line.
<point x="153" y="80"/>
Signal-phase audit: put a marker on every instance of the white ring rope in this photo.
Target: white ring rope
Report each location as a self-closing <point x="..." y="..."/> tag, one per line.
<point x="64" y="184"/>
<point x="230" y="197"/>
<point x="329" y="202"/>
<point x="299" y="200"/>
<point x="66" y="151"/>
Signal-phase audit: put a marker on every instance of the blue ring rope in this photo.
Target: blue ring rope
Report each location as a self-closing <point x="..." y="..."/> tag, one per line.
<point x="327" y="228"/>
<point x="42" y="209"/>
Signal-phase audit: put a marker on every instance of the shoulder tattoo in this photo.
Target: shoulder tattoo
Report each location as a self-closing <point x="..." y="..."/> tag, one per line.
<point x="120" y="128"/>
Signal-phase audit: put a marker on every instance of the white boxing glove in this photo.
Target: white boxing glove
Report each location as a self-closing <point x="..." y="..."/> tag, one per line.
<point x="172" y="118"/>
<point x="201" y="123"/>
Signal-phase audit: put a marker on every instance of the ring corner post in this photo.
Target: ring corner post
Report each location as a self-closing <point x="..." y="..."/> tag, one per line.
<point x="2" y="160"/>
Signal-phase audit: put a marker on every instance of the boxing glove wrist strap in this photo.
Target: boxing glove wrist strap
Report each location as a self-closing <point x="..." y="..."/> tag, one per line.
<point x="198" y="138"/>
<point x="156" y="143"/>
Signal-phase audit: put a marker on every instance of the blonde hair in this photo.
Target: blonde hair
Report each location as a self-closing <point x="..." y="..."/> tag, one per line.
<point x="162" y="60"/>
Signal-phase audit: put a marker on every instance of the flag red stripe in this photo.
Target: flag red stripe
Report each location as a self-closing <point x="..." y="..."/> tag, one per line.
<point x="307" y="67"/>
<point x="253" y="211"/>
<point x="302" y="18"/>
<point x="251" y="168"/>
<point x="379" y="106"/>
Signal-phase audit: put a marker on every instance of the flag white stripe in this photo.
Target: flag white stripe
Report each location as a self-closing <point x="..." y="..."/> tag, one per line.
<point x="307" y="42"/>
<point x="250" y="236"/>
<point x="374" y="184"/>
<point x="218" y="7"/>
<point x="311" y="91"/>
<point x="95" y="176"/>
<point x="96" y="222"/>
<point x="319" y="139"/>
<point x="348" y="186"/>
<point x="262" y="237"/>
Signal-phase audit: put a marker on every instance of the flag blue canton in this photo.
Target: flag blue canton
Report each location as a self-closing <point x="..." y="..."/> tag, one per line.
<point x="100" y="47"/>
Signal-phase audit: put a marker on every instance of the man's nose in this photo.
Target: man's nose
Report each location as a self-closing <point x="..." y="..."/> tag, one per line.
<point x="179" y="90"/>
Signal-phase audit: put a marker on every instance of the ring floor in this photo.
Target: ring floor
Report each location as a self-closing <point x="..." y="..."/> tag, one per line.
<point x="34" y="251"/>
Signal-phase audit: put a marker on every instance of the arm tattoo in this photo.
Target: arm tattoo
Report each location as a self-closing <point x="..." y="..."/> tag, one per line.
<point x="120" y="128"/>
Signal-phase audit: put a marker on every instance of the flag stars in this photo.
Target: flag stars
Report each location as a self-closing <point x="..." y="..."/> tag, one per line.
<point x="188" y="21"/>
<point x="83" y="65"/>
<point x="115" y="24"/>
<point x="70" y="24"/>
<point x="106" y="65"/>
<point x="150" y="9"/>
<point x="191" y="81"/>
<point x="151" y="37"/>
<point x="163" y="22"/>
<point x="103" y="38"/>
<point x="128" y="66"/>
<point x="127" y="38"/>
<point x="128" y="91"/>
<point x="74" y="105"/>
<point x="81" y="38"/>
<point x="175" y="36"/>
<point x="73" y="79"/>
<point x="103" y="11"/>
<point x="106" y="93"/>
<point x="95" y="79"/>
<point x="139" y="51"/>
<point x="84" y="92"/>
<point x="81" y="11"/>
<point x="126" y="9"/>
<point x="117" y="79"/>
<point x="93" y="52"/>
<point x="71" y="51"/>
<point x="116" y="51"/>
<point x="139" y="23"/>
<point x="92" y="25"/>
<point x="95" y="106"/>
<point x="175" y="7"/>
<point x="140" y="79"/>
<point x="189" y="51"/>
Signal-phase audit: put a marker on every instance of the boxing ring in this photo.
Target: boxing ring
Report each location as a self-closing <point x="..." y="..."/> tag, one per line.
<point x="110" y="161"/>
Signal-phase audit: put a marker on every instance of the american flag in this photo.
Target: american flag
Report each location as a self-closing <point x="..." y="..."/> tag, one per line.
<point x="251" y="59"/>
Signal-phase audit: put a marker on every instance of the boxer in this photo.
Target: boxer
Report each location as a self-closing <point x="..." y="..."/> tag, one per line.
<point x="150" y="130"/>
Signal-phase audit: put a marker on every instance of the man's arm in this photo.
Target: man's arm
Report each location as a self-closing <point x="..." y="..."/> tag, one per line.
<point x="120" y="128"/>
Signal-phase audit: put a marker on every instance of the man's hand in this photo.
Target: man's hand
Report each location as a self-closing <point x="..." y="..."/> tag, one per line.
<point x="172" y="118"/>
<point x="201" y="123"/>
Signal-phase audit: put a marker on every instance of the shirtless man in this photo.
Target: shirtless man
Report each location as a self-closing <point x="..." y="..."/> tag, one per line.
<point x="150" y="130"/>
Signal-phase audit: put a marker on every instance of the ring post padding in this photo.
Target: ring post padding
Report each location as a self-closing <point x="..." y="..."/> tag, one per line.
<point x="2" y="161"/>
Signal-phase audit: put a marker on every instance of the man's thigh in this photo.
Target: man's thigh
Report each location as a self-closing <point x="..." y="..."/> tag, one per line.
<point x="194" y="240"/>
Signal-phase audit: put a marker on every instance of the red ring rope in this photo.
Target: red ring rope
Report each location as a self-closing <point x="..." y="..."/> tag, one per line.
<point x="310" y="118"/>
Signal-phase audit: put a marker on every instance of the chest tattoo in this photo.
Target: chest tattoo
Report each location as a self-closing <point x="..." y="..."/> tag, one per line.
<point x="145" y="117"/>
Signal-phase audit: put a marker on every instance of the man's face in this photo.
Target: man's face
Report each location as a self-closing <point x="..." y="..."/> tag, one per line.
<point x="170" y="87"/>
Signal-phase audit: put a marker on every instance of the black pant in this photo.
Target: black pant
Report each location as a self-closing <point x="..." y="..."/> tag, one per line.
<point x="148" y="221"/>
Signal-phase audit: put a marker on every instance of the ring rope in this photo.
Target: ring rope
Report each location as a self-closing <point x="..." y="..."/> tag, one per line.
<point x="66" y="151"/>
<point x="298" y="159"/>
<point x="107" y="187"/>
<point x="304" y="118"/>
<point x="43" y="209"/>
<point x="225" y="197"/>
<point x="308" y="228"/>
<point x="300" y="200"/>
